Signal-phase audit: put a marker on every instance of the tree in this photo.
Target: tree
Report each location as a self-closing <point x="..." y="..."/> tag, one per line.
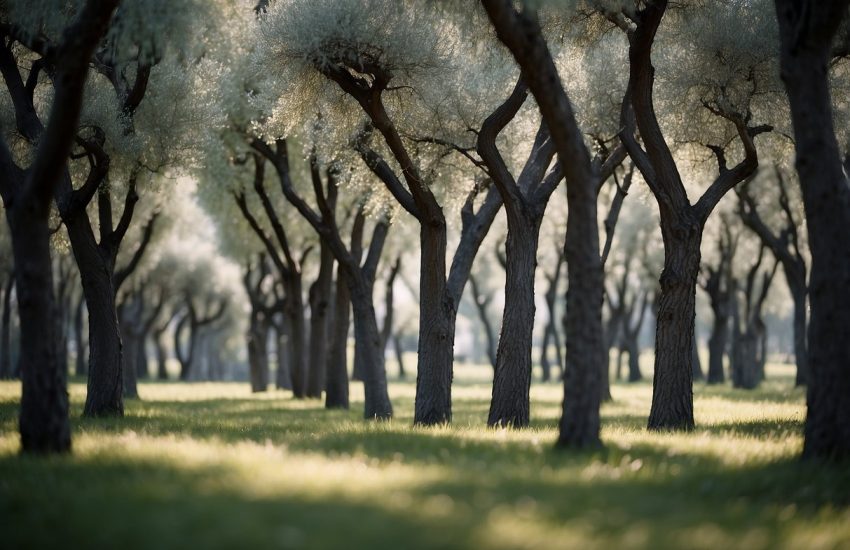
<point x="27" y="193"/>
<point x="372" y="59"/>
<point x="749" y="338"/>
<point x="521" y="33"/>
<point x="360" y="277"/>
<point x="806" y="31"/>
<point x="786" y="248"/>
<point x="718" y="283"/>
<point x="260" y="322"/>
<point x="195" y="320"/>
<point x="681" y="221"/>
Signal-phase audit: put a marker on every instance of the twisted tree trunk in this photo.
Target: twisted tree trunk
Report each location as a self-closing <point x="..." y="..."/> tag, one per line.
<point x="509" y="405"/>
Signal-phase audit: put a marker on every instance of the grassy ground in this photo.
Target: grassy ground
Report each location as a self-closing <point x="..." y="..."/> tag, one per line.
<point x="210" y="465"/>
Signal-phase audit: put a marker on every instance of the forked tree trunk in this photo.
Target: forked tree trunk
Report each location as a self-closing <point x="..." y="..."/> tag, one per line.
<point x="437" y="314"/>
<point x="510" y="405"/>
<point x="336" y="395"/>
<point x="672" y="396"/>
<point x="105" y="382"/>
<point x="44" y="423"/>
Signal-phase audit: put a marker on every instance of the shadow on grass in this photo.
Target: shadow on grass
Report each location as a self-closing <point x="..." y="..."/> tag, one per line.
<point x="485" y="488"/>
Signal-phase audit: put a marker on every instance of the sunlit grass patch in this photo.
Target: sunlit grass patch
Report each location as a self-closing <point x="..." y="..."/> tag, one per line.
<point x="213" y="465"/>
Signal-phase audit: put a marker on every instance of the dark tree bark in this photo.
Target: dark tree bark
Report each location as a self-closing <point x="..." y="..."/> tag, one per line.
<point x="681" y="222"/>
<point x="27" y="194"/>
<point x="521" y="33"/>
<point x="717" y="283"/>
<point x="6" y="328"/>
<point x="785" y="248"/>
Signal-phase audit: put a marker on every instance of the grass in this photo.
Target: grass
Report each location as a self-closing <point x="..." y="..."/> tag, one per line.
<point x="210" y="465"/>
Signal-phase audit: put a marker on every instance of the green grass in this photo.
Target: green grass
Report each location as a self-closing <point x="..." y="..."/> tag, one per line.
<point x="210" y="465"/>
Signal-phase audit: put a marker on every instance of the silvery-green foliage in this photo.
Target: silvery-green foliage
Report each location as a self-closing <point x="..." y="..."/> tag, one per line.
<point x="140" y="29"/>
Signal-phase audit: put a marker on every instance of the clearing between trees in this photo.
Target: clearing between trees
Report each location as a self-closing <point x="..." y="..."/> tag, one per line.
<point x="212" y="465"/>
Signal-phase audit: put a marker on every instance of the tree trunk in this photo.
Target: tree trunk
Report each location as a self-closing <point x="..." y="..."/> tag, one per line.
<point x="717" y="348"/>
<point x="182" y="358"/>
<point x="369" y="348"/>
<point x="320" y="295"/>
<point x="6" y="329"/>
<point x="806" y="49"/>
<point x="745" y="369"/>
<point x="82" y="364"/>
<point x="258" y="354"/>
<point x="801" y="352"/>
<point x="44" y="423"/>
<point x="142" y="371"/>
<point x="634" y="361"/>
<point x="297" y="338"/>
<point x="283" y="376"/>
<point x="399" y="356"/>
<point x="672" y="387"/>
<point x="509" y="405"/>
<point x="336" y="394"/>
<point x="161" y="355"/>
<point x="545" y="365"/>
<point x="618" y="370"/>
<point x="96" y="267"/>
<point x="131" y="346"/>
<point x="105" y="382"/>
<point x="437" y="316"/>
<point x="585" y="357"/>
<point x="695" y="361"/>
<point x="60" y="317"/>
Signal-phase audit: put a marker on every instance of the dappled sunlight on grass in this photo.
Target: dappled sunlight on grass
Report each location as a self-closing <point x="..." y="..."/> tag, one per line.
<point x="213" y="465"/>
